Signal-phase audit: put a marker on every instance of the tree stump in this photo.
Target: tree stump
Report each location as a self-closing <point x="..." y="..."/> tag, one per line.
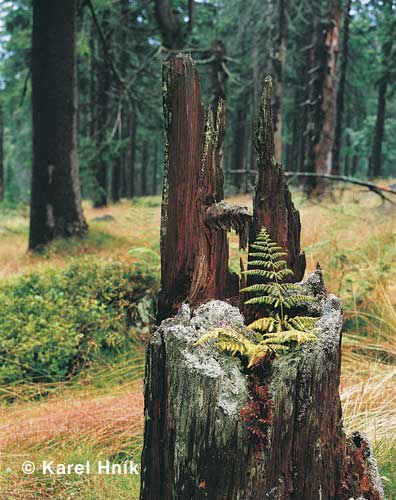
<point x="195" y="220"/>
<point x="200" y="440"/>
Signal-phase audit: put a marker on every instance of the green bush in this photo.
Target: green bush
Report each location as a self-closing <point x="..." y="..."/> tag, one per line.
<point x="54" y="322"/>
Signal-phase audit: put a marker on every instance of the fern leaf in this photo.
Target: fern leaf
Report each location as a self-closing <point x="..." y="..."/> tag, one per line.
<point x="269" y="288"/>
<point x="269" y="300"/>
<point x="263" y="324"/>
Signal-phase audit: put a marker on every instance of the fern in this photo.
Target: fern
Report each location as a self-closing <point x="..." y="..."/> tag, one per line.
<point x="280" y="329"/>
<point x="236" y="343"/>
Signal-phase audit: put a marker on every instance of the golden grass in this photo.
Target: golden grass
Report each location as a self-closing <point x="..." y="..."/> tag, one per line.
<point x="354" y="239"/>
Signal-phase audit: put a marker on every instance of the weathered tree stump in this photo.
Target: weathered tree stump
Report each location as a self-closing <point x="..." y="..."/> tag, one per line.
<point x="273" y="206"/>
<point x="198" y="441"/>
<point x="195" y="221"/>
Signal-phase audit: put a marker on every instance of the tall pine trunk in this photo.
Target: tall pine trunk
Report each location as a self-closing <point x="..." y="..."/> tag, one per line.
<point x="376" y="152"/>
<point x="56" y="199"/>
<point x="335" y="168"/>
<point x="101" y="163"/>
<point x="278" y="59"/>
<point x="131" y="154"/>
<point x="322" y="94"/>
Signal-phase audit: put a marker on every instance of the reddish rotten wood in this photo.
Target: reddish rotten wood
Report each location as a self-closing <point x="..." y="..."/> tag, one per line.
<point x="273" y="206"/>
<point x="194" y="246"/>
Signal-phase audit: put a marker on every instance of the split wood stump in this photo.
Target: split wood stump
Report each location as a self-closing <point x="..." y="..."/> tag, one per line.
<point x="197" y="445"/>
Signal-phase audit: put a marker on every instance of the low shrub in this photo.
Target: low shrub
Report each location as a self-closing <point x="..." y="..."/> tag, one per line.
<point x="55" y="321"/>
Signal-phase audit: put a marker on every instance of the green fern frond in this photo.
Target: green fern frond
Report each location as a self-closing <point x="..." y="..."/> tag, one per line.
<point x="236" y="343"/>
<point x="276" y="332"/>
<point x="263" y="324"/>
<point x="288" y="336"/>
<point x="269" y="300"/>
<point x="304" y="323"/>
<point x="260" y="287"/>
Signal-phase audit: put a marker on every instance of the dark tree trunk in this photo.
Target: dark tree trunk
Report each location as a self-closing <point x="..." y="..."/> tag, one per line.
<point x="144" y="168"/>
<point x="355" y="165"/>
<point x="172" y="25"/>
<point x="56" y="200"/>
<point x="376" y="152"/>
<point x="102" y="159"/>
<point x="335" y="168"/>
<point x="239" y="142"/>
<point x="116" y="180"/>
<point x="131" y="154"/>
<point x="154" y="182"/>
<point x="194" y="222"/>
<point x="278" y="59"/>
<point x="1" y="154"/>
<point x="219" y="75"/>
<point x="322" y="94"/>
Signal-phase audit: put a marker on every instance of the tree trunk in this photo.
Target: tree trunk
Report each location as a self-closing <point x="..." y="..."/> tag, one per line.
<point x="322" y="94"/>
<point x="201" y="407"/>
<point x="173" y="27"/>
<point x="219" y="75"/>
<point x="1" y="154"/>
<point x="154" y="182"/>
<point x="131" y="153"/>
<point x="144" y="167"/>
<point x="376" y="152"/>
<point x="239" y="142"/>
<point x="102" y="159"/>
<point x="335" y="169"/>
<point x="273" y="207"/>
<point x="194" y="220"/>
<point x="56" y="200"/>
<point x="278" y="59"/>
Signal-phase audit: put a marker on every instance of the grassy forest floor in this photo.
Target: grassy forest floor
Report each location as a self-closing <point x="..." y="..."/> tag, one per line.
<point x="99" y="412"/>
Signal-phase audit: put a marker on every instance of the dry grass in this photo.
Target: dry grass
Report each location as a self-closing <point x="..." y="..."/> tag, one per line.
<point x="353" y="238"/>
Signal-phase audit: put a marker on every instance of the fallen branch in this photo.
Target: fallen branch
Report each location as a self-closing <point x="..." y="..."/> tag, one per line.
<point x="341" y="178"/>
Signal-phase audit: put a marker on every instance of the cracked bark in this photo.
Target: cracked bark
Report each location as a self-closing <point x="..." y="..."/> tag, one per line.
<point x="194" y="244"/>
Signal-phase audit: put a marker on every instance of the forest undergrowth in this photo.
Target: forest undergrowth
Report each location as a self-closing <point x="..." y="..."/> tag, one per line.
<point x="99" y="412"/>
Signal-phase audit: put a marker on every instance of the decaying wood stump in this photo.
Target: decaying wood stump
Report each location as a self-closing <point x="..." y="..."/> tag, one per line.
<point x="273" y="206"/>
<point x="199" y="442"/>
<point x="198" y="446"/>
<point x="195" y="220"/>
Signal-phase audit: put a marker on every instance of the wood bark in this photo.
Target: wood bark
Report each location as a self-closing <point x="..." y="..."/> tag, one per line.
<point x="273" y="207"/>
<point x="322" y="93"/>
<point x="194" y="223"/>
<point x="56" y="199"/>
<point x="335" y="168"/>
